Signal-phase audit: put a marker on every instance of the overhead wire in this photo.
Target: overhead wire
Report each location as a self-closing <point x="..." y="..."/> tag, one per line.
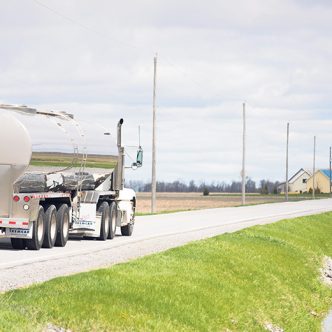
<point x="83" y="26"/>
<point x="164" y="59"/>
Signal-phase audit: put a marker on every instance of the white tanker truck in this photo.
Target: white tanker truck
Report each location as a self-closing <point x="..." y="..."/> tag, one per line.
<point x="58" y="178"/>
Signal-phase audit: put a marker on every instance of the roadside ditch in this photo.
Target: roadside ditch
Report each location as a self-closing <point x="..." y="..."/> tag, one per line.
<point x="326" y="274"/>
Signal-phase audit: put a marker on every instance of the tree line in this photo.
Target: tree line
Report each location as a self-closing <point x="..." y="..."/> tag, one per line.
<point x="263" y="186"/>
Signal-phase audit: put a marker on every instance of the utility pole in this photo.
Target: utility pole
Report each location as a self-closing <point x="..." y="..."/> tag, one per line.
<point x="286" y="183"/>
<point x="153" y="181"/>
<point x="330" y="171"/>
<point x="139" y="136"/>
<point x="243" y="173"/>
<point x="314" y="170"/>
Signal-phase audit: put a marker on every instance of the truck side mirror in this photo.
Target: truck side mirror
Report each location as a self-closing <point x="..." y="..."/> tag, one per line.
<point x="139" y="157"/>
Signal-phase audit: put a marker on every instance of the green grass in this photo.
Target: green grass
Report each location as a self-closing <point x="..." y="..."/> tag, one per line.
<point x="233" y="282"/>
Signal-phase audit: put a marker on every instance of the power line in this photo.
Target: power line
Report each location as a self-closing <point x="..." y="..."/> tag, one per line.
<point x="108" y="37"/>
<point x="83" y="26"/>
<point x="153" y="179"/>
<point x="286" y="183"/>
<point x="243" y="173"/>
<point x="314" y="170"/>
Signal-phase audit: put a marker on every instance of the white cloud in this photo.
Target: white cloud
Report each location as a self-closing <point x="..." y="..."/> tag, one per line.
<point x="213" y="55"/>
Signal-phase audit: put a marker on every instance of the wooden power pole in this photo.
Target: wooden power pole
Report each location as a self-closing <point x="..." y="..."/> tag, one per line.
<point x="243" y="173"/>
<point x="314" y="170"/>
<point x="330" y="170"/>
<point x="286" y="183"/>
<point x="153" y="181"/>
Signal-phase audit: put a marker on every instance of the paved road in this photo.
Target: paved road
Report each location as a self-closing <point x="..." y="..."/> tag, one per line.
<point x="151" y="234"/>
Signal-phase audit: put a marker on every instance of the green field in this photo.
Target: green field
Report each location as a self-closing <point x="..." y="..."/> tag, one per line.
<point x="171" y="202"/>
<point x="56" y="159"/>
<point x="234" y="282"/>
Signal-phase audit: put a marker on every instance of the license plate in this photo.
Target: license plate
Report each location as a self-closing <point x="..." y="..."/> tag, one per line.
<point x="21" y="232"/>
<point x="84" y="224"/>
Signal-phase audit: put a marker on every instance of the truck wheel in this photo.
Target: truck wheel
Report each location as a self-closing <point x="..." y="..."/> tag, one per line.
<point x="37" y="232"/>
<point x="104" y="210"/>
<point x="127" y="230"/>
<point x="18" y="243"/>
<point x="62" y="218"/>
<point x="50" y="227"/>
<point x="112" y="230"/>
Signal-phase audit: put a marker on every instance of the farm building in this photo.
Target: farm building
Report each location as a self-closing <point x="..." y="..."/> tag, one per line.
<point x="297" y="183"/>
<point x="322" y="181"/>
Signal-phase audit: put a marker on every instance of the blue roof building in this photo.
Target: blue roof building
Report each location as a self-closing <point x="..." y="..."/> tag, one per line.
<point x="322" y="181"/>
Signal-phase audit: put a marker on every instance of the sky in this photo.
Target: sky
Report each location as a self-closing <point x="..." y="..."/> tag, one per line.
<point x="95" y="59"/>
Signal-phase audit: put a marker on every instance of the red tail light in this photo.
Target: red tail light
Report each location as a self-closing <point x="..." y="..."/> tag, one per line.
<point x="16" y="198"/>
<point x="26" y="199"/>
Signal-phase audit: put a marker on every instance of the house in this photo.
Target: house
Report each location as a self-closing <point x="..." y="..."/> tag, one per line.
<point x="322" y="181"/>
<point x="297" y="183"/>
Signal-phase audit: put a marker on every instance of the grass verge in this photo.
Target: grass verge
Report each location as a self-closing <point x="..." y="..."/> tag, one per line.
<point x="233" y="282"/>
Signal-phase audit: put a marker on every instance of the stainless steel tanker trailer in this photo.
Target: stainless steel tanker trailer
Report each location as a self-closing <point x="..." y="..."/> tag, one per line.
<point x="58" y="179"/>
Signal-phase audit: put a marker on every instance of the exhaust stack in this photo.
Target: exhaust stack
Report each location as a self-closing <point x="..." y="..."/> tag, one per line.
<point x="119" y="170"/>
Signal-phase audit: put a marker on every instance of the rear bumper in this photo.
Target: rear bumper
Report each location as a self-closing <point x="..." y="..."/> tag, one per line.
<point x="15" y="228"/>
<point x="14" y="222"/>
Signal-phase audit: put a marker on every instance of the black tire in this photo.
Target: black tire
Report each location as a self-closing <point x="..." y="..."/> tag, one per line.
<point x="127" y="230"/>
<point x="38" y="231"/>
<point x="62" y="218"/>
<point x="51" y="228"/>
<point x="104" y="210"/>
<point x="111" y="233"/>
<point x="18" y="244"/>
